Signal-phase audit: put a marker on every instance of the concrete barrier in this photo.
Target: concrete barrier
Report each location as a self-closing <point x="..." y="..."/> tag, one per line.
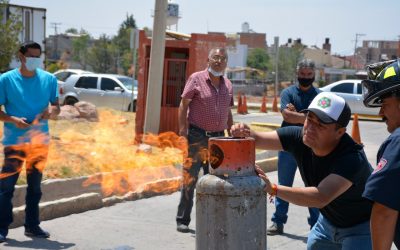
<point x="62" y="197"/>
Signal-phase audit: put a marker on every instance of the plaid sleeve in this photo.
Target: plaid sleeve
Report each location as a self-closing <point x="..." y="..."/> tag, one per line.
<point x="190" y="88"/>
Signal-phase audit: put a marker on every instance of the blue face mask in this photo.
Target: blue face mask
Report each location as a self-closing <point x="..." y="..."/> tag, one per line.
<point x="32" y="63"/>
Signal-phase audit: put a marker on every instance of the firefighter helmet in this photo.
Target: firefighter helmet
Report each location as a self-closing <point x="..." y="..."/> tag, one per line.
<point x="382" y="84"/>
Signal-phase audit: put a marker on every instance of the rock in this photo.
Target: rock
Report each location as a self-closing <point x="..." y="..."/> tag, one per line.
<point x="87" y="111"/>
<point x="68" y="113"/>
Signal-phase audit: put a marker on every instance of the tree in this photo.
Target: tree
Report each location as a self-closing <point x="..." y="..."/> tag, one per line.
<point x="122" y="43"/>
<point x="80" y="47"/>
<point x="71" y="30"/>
<point x="10" y="29"/>
<point x="101" y="57"/>
<point x="258" y="59"/>
<point x="287" y="62"/>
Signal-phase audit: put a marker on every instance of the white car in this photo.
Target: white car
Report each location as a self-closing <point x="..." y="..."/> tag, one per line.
<point x="63" y="74"/>
<point x="351" y="91"/>
<point x="103" y="90"/>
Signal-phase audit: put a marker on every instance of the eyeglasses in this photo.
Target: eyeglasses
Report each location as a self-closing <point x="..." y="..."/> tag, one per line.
<point x="217" y="58"/>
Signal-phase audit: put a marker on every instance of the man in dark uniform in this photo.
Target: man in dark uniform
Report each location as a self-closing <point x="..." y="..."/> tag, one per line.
<point x="333" y="167"/>
<point x="293" y="100"/>
<point x="383" y="186"/>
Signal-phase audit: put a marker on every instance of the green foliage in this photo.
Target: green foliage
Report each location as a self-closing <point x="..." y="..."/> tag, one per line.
<point x="53" y="67"/>
<point x="258" y="59"/>
<point x="100" y="56"/>
<point x="71" y="30"/>
<point x="122" y="43"/>
<point x="105" y="55"/>
<point x="287" y="63"/>
<point x="80" y="47"/>
<point x="321" y="83"/>
<point x="9" y="30"/>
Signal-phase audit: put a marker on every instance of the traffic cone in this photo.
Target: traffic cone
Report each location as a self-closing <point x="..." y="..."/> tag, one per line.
<point x="239" y="106"/>
<point x="275" y="105"/>
<point x="355" y="130"/>
<point x="245" y="111"/>
<point x="263" y="108"/>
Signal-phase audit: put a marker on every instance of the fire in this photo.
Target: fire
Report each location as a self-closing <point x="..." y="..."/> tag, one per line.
<point x="108" y="149"/>
<point x="105" y="152"/>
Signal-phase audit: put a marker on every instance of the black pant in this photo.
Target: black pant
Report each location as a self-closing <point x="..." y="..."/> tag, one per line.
<point x="197" y="159"/>
<point x="13" y="161"/>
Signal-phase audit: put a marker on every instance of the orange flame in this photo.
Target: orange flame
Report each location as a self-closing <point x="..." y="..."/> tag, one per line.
<point x="105" y="152"/>
<point x="108" y="149"/>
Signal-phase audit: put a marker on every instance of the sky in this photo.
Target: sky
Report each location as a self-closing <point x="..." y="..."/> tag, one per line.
<point x="310" y="20"/>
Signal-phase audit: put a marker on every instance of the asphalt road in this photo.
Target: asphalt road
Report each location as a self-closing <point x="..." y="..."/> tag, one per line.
<point x="150" y="223"/>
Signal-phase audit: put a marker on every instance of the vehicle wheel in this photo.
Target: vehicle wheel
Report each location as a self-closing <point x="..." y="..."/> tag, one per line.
<point x="134" y="106"/>
<point x="70" y="101"/>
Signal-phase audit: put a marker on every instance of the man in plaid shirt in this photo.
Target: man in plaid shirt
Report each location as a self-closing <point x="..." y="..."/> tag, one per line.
<point x="204" y="112"/>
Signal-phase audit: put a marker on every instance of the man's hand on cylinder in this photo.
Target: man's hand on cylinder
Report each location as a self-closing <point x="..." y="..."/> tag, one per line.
<point x="240" y="130"/>
<point x="262" y="175"/>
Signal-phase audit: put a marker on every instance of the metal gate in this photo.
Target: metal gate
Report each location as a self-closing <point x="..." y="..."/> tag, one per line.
<point x="175" y="72"/>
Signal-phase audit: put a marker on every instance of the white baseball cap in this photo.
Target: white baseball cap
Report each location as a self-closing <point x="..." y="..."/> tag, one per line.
<point x="330" y="108"/>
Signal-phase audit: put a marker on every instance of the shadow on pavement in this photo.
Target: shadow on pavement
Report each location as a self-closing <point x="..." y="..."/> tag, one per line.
<point x="38" y="244"/>
<point x="296" y="237"/>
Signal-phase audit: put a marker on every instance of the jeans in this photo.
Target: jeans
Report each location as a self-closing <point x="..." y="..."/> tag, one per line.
<point x="13" y="162"/>
<point x="326" y="236"/>
<point x="286" y="171"/>
<point x="197" y="159"/>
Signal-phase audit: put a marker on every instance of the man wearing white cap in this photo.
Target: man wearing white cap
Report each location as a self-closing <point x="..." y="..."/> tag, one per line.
<point x="333" y="167"/>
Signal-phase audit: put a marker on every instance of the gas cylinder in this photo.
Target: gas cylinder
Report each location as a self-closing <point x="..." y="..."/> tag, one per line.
<point x="230" y="200"/>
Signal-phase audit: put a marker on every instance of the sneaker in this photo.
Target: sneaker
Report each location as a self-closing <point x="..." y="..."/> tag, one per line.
<point x="182" y="228"/>
<point x="2" y="238"/>
<point x="275" y="229"/>
<point x="36" y="232"/>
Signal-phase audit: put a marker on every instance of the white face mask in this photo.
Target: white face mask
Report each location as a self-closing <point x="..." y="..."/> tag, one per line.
<point x="32" y="63"/>
<point x="215" y="73"/>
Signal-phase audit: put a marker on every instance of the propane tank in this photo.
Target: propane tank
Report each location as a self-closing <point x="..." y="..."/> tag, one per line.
<point x="230" y="201"/>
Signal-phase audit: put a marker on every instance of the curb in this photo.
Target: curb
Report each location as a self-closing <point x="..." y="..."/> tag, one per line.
<point x="268" y="125"/>
<point x="63" y="197"/>
<point x="64" y="206"/>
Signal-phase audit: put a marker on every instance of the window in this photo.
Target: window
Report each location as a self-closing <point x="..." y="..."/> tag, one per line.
<point x="108" y="84"/>
<point x="346" y="87"/>
<point x="359" y="88"/>
<point x="87" y="82"/>
<point x="62" y="76"/>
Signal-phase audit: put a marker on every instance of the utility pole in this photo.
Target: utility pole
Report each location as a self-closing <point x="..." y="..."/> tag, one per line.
<point x="355" y="48"/>
<point x="55" y="51"/>
<point x="154" y="85"/>
<point x="55" y="26"/>
<point x="134" y="44"/>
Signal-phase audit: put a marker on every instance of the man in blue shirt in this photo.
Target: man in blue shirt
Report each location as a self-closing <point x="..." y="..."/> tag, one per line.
<point x="26" y="93"/>
<point x="384" y="184"/>
<point x="293" y="99"/>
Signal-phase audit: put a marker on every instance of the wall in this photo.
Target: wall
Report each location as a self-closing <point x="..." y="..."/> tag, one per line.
<point x="253" y="40"/>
